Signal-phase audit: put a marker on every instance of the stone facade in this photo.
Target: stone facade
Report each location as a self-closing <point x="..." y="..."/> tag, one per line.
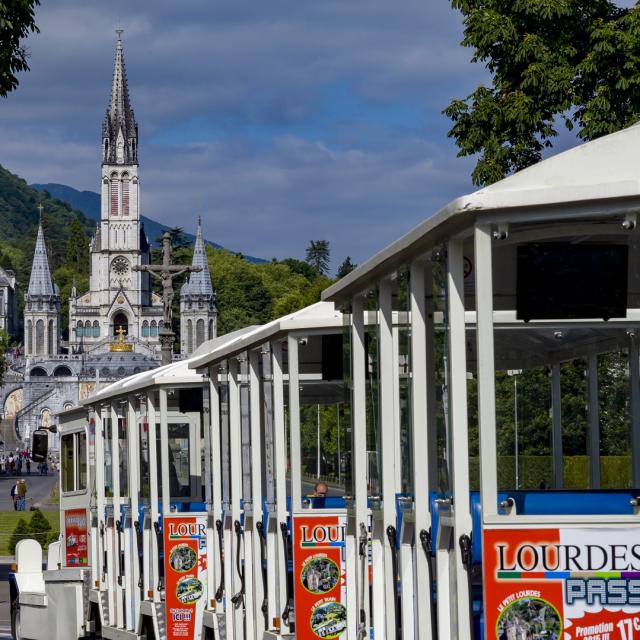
<point x="119" y="298"/>
<point x="9" y="303"/>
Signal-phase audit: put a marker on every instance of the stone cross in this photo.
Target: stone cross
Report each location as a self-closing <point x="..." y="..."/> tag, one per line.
<point x="166" y="272"/>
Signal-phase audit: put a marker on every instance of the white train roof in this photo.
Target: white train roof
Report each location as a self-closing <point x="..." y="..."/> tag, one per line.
<point x="171" y="374"/>
<point x="316" y="316"/>
<point x="598" y="177"/>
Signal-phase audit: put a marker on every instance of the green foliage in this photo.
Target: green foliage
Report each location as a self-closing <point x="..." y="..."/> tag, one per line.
<point x="40" y="528"/>
<point x="318" y="256"/>
<point x="257" y="293"/>
<point x="346" y="267"/>
<point x="21" y="532"/>
<point x="17" y="20"/>
<point x="575" y="62"/>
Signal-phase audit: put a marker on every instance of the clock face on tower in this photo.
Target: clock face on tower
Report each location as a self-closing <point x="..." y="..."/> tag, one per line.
<point x="120" y="267"/>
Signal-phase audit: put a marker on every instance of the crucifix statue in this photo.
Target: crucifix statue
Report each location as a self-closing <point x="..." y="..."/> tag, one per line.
<point x="166" y="272"/>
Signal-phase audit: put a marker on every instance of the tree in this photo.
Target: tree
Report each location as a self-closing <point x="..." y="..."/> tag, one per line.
<point x="346" y="267"/>
<point x="17" y="20"/>
<point x="21" y="532"/>
<point x="77" y="247"/>
<point x="571" y="62"/>
<point x="318" y="256"/>
<point x="40" y="528"/>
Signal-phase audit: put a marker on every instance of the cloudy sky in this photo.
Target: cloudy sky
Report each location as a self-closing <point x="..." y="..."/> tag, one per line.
<point x="278" y="122"/>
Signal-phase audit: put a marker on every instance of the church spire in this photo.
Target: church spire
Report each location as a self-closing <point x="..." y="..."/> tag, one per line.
<point x="40" y="282"/>
<point x="199" y="283"/>
<point x="119" y="129"/>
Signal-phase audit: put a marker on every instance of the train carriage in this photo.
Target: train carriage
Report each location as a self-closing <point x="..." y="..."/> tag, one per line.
<point x="196" y="480"/>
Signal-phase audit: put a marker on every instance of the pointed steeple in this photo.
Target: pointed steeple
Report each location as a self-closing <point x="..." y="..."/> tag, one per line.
<point x="119" y="130"/>
<point x="199" y="283"/>
<point x="40" y="282"/>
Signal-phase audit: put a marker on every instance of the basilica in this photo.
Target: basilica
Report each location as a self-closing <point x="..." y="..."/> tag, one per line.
<point x="114" y="327"/>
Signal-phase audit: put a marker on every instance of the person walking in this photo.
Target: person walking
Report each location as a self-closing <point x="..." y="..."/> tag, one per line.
<point x="28" y="466"/>
<point x="14" y="496"/>
<point x="22" y="495"/>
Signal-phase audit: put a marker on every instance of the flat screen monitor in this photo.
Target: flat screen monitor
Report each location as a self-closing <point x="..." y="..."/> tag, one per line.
<point x="564" y="281"/>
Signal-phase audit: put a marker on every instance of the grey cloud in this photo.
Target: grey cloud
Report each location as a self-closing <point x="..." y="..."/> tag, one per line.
<point x="237" y="66"/>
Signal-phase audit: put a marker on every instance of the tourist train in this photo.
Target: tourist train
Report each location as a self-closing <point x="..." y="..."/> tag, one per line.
<point x="187" y="495"/>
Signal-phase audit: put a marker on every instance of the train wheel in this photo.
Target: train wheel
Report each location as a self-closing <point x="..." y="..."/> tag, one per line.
<point x="16" y="631"/>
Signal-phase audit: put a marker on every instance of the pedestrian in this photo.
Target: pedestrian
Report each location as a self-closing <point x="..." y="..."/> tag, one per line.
<point x="22" y="495"/>
<point x="19" y="465"/>
<point x="28" y="466"/>
<point x="14" y="496"/>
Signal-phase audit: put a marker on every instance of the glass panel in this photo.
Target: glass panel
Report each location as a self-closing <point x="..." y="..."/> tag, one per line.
<point x="81" y="480"/>
<point x="67" y="471"/>
<point x="123" y="452"/>
<point x="108" y="459"/>
<point x="374" y="461"/>
<point x="345" y="427"/>
<point x="143" y="452"/>
<point x="179" y="457"/>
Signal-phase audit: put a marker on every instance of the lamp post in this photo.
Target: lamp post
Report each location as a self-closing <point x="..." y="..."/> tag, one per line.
<point x="514" y="373"/>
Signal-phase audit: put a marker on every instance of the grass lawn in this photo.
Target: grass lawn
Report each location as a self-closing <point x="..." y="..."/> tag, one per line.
<point x="9" y="520"/>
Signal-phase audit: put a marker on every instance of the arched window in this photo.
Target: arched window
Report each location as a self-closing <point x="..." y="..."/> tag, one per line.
<point x="115" y="186"/>
<point x="189" y="336"/>
<point x="199" y="332"/>
<point x="50" y="341"/>
<point x="40" y="337"/>
<point x="145" y="329"/>
<point x="125" y="194"/>
<point x="79" y="330"/>
<point x="29" y="337"/>
<point x="96" y="329"/>
<point x="211" y="336"/>
<point x="154" y="329"/>
<point x="120" y="322"/>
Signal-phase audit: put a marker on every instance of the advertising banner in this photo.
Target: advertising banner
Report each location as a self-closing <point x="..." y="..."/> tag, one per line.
<point x="75" y="538"/>
<point x="562" y="584"/>
<point x="185" y="570"/>
<point x="319" y="575"/>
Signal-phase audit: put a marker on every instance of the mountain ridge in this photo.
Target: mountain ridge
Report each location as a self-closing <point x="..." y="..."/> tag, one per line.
<point x="89" y="203"/>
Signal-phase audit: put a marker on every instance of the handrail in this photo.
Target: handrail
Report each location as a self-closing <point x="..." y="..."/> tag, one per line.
<point x="220" y="590"/>
<point x="289" y="607"/>
<point x="265" y="600"/>
<point x="237" y="598"/>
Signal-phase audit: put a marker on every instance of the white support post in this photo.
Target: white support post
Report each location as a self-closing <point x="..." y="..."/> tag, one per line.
<point x="280" y="466"/>
<point x="388" y="442"/>
<point x="459" y="430"/>
<point x="100" y="497"/>
<point x="294" y="423"/>
<point x="216" y="470"/>
<point x="115" y="457"/>
<point x="164" y="453"/>
<point x="256" y="494"/>
<point x="556" y="426"/>
<point x="423" y="447"/>
<point x="634" y="394"/>
<point x="486" y="372"/>
<point x="232" y="580"/>
<point x="154" y="499"/>
<point x="133" y="573"/>
<point x="594" y="421"/>
<point x="208" y="491"/>
<point x="359" y="455"/>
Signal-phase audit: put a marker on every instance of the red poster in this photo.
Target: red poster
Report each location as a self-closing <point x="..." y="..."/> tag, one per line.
<point x="75" y="538"/>
<point x="185" y="570"/>
<point x="562" y="583"/>
<point x="319" y="576"/>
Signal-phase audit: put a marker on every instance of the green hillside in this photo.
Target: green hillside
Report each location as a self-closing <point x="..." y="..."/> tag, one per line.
<point x="248" y="293"/>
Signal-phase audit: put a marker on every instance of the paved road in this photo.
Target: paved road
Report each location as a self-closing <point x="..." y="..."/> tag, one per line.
<point x="39" y="490"/>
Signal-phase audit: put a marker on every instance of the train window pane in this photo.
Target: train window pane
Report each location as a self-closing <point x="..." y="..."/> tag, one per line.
<point x="123" y="454"/>
<point x="81" y="480"/>
<point x="179" y="457"/>
<point x="145" y="481"/>
<point x="108" y="461"/>
<point x="67" y="462"/>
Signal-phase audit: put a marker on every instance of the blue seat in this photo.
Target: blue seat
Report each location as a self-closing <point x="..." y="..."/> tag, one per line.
<point x="605" y="502"/>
